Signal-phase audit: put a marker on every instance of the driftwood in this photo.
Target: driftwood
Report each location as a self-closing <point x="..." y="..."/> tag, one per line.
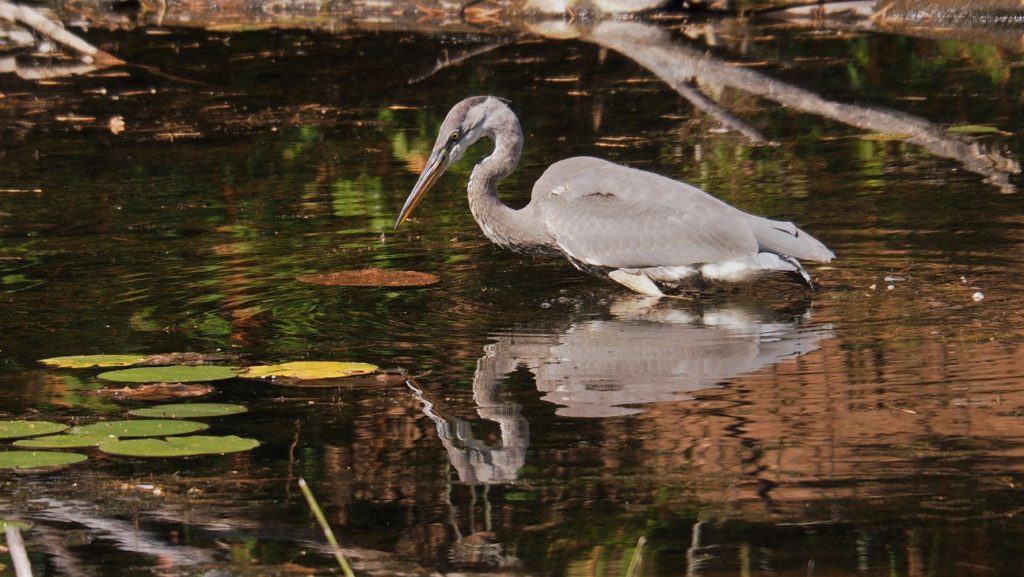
<point x="680" y="66"/>
<point x="677" y="65"/>
<point x="996" y="22"/>
<point x="90" y="57"/>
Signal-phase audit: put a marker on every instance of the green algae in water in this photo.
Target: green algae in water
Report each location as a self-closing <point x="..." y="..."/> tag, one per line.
<point x="18" y="429"/>
<point x="189" y="410"/>
<point x="140" y="428"/>
<point x="171" y="374"/>
<point x="179" y="446"/>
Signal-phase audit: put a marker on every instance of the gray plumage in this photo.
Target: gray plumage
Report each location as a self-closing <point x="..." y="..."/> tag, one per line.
<point x="638" y="228"/>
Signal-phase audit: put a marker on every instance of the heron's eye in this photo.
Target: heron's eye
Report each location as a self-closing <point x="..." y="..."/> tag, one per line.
<point x="454" y="136"/>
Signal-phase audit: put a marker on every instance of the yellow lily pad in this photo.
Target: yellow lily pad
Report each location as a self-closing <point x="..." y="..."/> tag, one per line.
<point x="974" y="129"/>
<point x="310" y="370"/>
<point x="90" y="361"/>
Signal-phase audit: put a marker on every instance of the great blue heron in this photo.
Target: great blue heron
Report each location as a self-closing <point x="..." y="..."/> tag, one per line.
<point x="638" y="228"/>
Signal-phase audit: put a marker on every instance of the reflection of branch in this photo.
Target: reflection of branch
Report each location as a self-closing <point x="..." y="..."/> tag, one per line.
<point x="697" y="98"/>
<point x="10" y="64"/>
<point x="677" y="65"/>
<point x="33" y="19"/>
<point x="462" y="55"/>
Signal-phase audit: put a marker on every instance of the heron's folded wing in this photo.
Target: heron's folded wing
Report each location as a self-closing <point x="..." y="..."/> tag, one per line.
<point x="608" y="215"/>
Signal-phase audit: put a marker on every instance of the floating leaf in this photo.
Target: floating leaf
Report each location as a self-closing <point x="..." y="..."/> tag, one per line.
<point x="18" y="429"/>
<point x="61" y="441"/>
<point x="139" y="428"/>
<point x="179" y="446"/>
<point x="171" y="374"/>
<point x="371" y="277"/>
<point x="311" y="370"/>
<point x="88" y="361"/>
<point x="884" y="136"/>
<point x="187" y="359"/>
<point x="36" y="459"/>
<point x="974" y="129"/>
<point x="157" y="391"/>
<point x="190" y="410"/>
<point x="5" y="523"/>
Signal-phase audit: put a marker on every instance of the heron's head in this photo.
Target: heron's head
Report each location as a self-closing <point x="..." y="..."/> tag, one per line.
<point x="465" y="124"/>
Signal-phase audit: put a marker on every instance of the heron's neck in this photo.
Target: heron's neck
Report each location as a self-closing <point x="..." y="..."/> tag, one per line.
<point x="505" y="226"/>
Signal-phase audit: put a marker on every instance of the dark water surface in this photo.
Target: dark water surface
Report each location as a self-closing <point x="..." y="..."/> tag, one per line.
<point x="873" y="427"/>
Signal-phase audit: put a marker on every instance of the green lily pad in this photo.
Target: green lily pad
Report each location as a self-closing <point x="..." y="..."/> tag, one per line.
<point x="88" y="361"/>
<point x="5" y="523"/>
<point x="189" y="410"/>
<point x="171" y="374"/>
<point x="61" y="441"/>
<point x="179" y="446"/>
<point x="139" y="428"/>
<point x="310" y="370"/>
<point x="36" y="459"/>
<point x="18" y="429"/>
<point x="973" y="129"/>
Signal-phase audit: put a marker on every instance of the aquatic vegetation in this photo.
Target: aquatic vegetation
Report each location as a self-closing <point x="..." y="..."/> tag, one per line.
<point x="139" y="428"/>
<point x="189" y="410"/>
<point x="22" y="428"/>
<point x="310" y="370"/>
<point x="179" y="446"/>
<point x="171" y="374"/>
<point x="38" y="459"/>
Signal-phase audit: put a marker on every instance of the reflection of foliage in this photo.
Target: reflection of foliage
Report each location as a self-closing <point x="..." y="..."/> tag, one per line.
<point x="75" y="393"/>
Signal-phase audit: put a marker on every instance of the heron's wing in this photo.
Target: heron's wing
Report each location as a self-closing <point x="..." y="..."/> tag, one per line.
<point x="608" y="215"/>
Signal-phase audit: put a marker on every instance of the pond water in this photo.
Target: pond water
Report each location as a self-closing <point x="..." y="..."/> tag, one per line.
<point x="874" y="426"/>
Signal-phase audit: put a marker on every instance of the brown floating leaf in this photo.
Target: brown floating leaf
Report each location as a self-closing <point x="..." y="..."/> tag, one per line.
<point x="188" y="358"/>
<point x="157" y="391"/>
<point x="371" y="277"/>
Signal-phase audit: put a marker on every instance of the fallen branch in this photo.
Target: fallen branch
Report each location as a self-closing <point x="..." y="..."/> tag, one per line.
<point x="53" y="30"/>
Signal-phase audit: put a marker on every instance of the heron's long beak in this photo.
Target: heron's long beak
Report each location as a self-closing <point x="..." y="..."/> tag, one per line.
<point x="436" y="166"/>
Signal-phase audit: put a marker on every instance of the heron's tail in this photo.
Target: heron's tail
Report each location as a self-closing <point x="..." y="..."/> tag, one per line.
<point x="786" y="239"/>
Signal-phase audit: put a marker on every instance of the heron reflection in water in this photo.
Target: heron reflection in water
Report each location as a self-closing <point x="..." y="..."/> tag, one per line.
<point x="640" y="229"/>
<point x="610" y="367"/>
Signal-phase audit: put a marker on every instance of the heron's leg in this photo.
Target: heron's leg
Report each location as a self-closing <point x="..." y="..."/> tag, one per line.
<point x="637" y="282"/>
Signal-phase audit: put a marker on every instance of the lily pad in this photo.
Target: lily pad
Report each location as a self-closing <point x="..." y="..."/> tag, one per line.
<point x="157" y="391"/>
<point x="18" y="429"/>
<point x="974" y="129"/>
<point x="89" y="361"/>
<point x="171" y="374"/>
<point x="61" y="441"/>
<point x="371" y="277"/>
<point x="179" y="446"/>
<point x="884" y="136"/>
<point x="36" y="459"/>
<point x="189" y="410"/>
<point x="139" y="428"/>
<point x="188" y="358"/>
<point x="310" y="370"/>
